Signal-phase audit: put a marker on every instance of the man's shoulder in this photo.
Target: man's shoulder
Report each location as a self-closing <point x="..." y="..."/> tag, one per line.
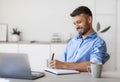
<point x="99" y="40"/>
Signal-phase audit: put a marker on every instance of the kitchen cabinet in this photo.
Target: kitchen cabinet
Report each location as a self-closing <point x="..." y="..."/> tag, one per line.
<point x="8" y="48"/>
<point x="37" y="53"/>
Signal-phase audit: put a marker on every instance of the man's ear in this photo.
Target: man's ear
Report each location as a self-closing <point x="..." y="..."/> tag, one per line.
<point x="90" y="19"/>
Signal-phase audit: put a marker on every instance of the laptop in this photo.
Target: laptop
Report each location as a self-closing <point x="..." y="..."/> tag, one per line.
<point x="16" y="65"/>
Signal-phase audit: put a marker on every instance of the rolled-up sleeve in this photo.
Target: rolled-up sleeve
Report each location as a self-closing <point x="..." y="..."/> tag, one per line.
<point x="99" y="52"/>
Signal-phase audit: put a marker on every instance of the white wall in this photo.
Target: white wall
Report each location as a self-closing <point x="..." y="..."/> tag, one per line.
<point x="38" y="19"/>
<point x="118" y="33"/>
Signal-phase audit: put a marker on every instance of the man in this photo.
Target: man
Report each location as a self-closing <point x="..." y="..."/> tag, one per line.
<point x="85" y="49"/>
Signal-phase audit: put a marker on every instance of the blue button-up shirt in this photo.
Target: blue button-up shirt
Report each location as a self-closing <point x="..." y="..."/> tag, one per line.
<point x="92" y="49"/>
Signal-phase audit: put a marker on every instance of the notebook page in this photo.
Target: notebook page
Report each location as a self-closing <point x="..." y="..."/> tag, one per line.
<point x="61" y="71"/>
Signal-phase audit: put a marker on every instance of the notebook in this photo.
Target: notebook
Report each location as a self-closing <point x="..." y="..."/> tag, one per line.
<point x="16" y="65"/>
<point x="61" y="71"/>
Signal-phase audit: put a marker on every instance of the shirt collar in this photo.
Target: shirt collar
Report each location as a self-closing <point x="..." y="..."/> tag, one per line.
<point x="92" y="35"/>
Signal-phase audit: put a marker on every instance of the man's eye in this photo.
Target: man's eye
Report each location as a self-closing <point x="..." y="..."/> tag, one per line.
<point x="78" y="22"/>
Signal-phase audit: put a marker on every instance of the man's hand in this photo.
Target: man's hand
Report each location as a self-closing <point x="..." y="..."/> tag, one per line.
<point x="82" y="66"/>
<point x="57" y="64"/>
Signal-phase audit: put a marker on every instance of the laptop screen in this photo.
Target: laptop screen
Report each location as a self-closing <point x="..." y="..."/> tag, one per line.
<point x="15" y="65"/>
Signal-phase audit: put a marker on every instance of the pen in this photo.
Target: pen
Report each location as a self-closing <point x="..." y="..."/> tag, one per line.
<point x="52" y="56"/>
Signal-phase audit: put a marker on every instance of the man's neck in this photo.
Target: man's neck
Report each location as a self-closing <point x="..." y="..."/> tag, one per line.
<point x="89" y="32"/>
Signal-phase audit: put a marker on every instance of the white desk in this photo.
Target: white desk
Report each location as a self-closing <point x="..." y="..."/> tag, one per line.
<point x="82" y="77"/>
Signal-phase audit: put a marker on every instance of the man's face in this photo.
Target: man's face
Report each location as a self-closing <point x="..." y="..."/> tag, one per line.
<point x="81" y="23"/>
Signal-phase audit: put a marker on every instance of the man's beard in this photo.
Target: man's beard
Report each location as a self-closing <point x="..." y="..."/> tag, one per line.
<point x="85" y="30"/>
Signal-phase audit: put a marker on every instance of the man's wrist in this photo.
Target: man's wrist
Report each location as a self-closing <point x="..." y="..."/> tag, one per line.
<point x="64" y="65"/>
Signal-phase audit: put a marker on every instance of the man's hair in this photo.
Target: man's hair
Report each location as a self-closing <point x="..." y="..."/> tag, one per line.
<point x="81" y="10"/>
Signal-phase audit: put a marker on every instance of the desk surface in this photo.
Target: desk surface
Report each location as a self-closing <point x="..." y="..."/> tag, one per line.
<point x="82" y="77"/>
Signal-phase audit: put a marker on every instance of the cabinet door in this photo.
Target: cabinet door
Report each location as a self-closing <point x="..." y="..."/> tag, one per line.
<point x="58" y="49"/>
<point x="37" y="53"/>
<point x="8" y="48"/>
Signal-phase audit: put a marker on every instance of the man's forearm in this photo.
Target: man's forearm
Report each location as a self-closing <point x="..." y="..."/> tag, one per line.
<point x="77" y="66"/>
<point x="82" y="66"/>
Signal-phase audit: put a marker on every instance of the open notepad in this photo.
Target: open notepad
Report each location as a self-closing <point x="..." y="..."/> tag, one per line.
<point x="61" y="71"/>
